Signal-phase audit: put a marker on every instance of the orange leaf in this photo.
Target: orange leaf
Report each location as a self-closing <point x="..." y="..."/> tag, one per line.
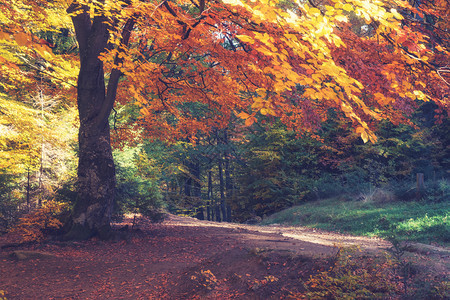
<point x="243" y="115"/>
<point x="4" y="35"/>
<point x="359" y="129"/>
<point x="22" y="39"/>
<point x="249" y="121"/>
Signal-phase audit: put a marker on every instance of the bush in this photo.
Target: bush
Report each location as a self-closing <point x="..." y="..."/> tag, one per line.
<point x="137" y="195"/>
<point x="352" y="277"/>
<point x="403" y="190"/>
<point x="437" y="191"/>
<point x="328" y="186"/>
<point x="352" y="183"/>
<point x="36" y="225"/>
<point x="137" y="190"/>
<point x="67" y="192"/>
<point x="377" y="195"/>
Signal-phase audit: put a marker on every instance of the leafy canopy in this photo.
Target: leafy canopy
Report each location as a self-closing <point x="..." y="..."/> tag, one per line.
<point x="288" y="59"/>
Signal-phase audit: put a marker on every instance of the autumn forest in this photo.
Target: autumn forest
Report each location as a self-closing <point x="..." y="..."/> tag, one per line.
<point x="141" y="126"/>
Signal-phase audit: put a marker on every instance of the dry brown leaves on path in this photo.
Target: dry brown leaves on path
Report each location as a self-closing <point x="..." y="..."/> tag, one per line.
<point x="182" y="258"/>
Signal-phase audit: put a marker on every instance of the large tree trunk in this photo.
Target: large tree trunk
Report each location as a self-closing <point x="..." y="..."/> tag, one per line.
<point x="96" y="172"/>
<point x="96" y="175"/>
<point x="96" y="184"/>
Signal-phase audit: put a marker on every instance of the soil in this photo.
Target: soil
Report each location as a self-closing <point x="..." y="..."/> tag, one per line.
<point x="185" y="258"/>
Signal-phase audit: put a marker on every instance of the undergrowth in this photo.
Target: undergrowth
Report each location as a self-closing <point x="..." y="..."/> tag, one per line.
<point x="34" y="226"/>
<point x="390" y="276"/>
<point x="351" y="277"/>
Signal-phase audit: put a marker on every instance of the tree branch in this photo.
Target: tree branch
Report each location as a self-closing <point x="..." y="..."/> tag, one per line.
<point x="113" y="83"/>
<point x="81" y="22"/>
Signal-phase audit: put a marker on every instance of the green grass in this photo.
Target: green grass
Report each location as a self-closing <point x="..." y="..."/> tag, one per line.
<point x="413" y="221"/>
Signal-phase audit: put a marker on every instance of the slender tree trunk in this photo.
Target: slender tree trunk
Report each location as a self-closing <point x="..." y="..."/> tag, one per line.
<point x="41" y="168"/>
<point x="197" y="189"/>
<point x="228" y="187"/>
<point x="228" y="179"/>
<point x="28" y="189"/>
<point x="41" y="172"/>
<point x="187" y="186"/>
<point x="217" y="207"/>
<point x="208" y="206"/>
<point x="222" y="191"/>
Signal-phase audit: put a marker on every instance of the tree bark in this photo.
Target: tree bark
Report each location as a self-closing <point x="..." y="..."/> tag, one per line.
<point x="228" y="179"/>
<point x="96" y="185"/>
<point x="91" y="214"/>
<point x="197" y="188"/>
<point x="96" y="172"/>
<point x="209" y="215"/>
<point x="228" y="186"/>
<point x="222" y="190"/>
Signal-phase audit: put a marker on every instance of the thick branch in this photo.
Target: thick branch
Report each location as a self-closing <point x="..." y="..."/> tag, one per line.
<point x="202" y="6"/>
<point x="186" y="27"/>
<point x="116" y="73"/>
<point x="81" y="22"/>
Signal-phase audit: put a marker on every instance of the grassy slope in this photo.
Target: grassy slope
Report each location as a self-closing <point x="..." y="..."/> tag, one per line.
<point x="414" y="221"/>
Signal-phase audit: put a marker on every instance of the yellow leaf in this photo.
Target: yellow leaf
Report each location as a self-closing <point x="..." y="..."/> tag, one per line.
<point x="308" y="81"/>
<point x="347" y="7"/>
<point x="346" y="108"/>
<point x="396" y="14"/>
<point x="379" y="95"/>
<point x="308" y="93"/>
<point x="420" y="95"/>
<point x="364" y="136"/>
<point x="314" y="11"/>
<point x="261" y="91"/>
<point x="232" y="2"/>
<point x="245" y="38"/>
<point x="265" y="38"/>
<point x="341" y="18"/>
<point x="329" y="8"/>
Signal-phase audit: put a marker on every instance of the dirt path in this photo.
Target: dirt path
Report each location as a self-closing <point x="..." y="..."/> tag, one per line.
<point x="183" y="258"/>
<point x="301" y="240"/>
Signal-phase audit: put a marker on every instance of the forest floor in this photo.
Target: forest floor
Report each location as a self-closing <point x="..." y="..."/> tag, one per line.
<point x="185" y="258"/>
